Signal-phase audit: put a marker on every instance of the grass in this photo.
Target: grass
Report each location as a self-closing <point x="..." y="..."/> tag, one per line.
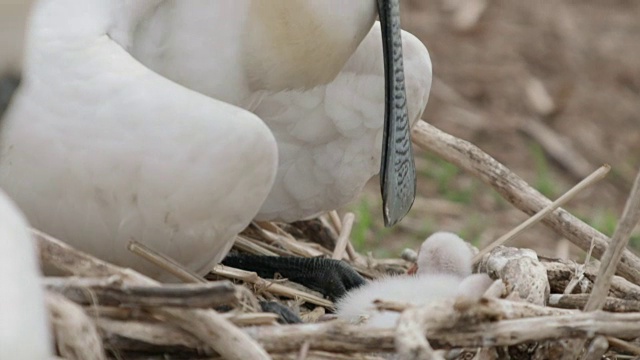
<point x="444" y="175"/>
<point x="438" y="178"/>
<point x="544" y="180"/>
<point x="364" y="222"/>
<point x="473" y="229"/>
<point x="367" y="234"/>
<point x="605" y="222"/>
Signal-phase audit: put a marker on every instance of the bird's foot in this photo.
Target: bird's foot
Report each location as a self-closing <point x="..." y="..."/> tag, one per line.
<point x="285" y="315"/>
<point x="332" y="278"/>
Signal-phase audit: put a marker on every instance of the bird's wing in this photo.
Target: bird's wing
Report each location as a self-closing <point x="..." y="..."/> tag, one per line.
<point x="330" y="137"/>
<point x="99" y="150"/>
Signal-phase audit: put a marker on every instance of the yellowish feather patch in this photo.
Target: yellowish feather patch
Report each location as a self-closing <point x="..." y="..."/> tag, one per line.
<point x="293" y="46"/>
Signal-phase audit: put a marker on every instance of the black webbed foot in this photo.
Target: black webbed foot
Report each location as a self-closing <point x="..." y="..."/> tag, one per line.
<point x="285" y="315"/>
<point x="332" y="278"/>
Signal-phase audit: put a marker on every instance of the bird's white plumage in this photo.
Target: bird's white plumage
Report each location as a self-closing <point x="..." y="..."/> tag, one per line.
<point x="99" y="150"/>
<point x="24" y="332"/>
<point x="444" y="271"/>
<point x="329" y="135"/>
<point x="162" y="121"/>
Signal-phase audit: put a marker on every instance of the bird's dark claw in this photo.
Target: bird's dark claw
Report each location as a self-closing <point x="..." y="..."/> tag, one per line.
<point x="332" y="278"/>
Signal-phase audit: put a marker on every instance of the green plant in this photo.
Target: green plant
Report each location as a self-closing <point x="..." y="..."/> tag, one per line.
<point x="543" y="181"/>
<point x="362" y="225"/>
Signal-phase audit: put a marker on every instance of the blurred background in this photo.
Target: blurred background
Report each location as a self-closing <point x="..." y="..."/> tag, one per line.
<point x="549" y="88"/>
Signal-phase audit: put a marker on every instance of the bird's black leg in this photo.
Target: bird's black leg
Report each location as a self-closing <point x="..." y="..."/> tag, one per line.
<point x="332" y="278"/>
<point x="8" y="86"/>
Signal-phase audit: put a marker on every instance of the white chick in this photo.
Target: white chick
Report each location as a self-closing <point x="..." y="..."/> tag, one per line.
<point x="444" y="271"/>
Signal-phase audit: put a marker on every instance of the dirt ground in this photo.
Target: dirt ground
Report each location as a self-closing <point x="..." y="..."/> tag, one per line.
<point x="510" y="76"/>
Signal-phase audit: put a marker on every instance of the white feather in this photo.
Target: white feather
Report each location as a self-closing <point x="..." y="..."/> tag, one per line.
<point x="133" y="119"/>
<point x="98" y="150"/>
<point x="24" y="330"/>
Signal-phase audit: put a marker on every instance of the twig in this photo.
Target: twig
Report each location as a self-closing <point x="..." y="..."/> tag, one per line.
<point x="343" y="238"/>
<point x="613" y="254"/>
<point x="446" y="327"/>
<point x="588" y="181"/>
<point x="76" y="335"/>
<point x="561" y="272"/>
<point x="290" y="244"/>
<point x="165" y="263"/>
<point x="411" y="341"/>
<point x="578" y="275"/>
<point x="624" y="345"/>
<point x="129" y="335"/>
<point x="304" y="351"/>
<point x="515" y="322"/>
<point x="112" y="292"/>
<point x="515" y="190"/>
<point x="250" y="246"/>
<point x="597" y="348"/>
<point x="275" y="288"/>
<point x="335" y="220"/>
<point x="326" y="355"/>
<point x="578" y="301"/>
<point x="207" y="325"/>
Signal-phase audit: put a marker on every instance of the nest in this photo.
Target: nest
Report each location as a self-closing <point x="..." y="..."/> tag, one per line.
<point x="540" y="308"/>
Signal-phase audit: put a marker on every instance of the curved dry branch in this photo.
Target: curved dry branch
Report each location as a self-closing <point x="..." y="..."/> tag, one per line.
<point x="515" y="190"/>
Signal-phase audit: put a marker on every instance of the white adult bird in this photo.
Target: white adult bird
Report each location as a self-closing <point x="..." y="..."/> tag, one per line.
<point x="24" y="331"/>
<point x="175" y="123"/>
<point x="444" y="271"/>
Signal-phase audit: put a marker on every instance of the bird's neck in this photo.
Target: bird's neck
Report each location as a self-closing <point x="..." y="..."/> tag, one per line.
<point x="298" y="44"/>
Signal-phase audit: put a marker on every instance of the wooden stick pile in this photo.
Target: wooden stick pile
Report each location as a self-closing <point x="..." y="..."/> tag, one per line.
<point x="104" y="311"/>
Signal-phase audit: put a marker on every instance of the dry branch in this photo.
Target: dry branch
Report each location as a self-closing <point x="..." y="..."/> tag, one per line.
<point x="515" y="190"/>
<point x="112" y="291"/>
<point x="578" y="301"/>
<point x="207" y="325"/>
<point x="624" y="345"/>
<point x="598" y="346"/>
<point x="165" y="263"/>
<point x="75" y="334"/>
<point x="273" y="287"/>
<point x="411" y="341"/>
<point x="492" y="322"/>
<point x="586" y="182"/>
<point x="560" y="272"/>
<point x="343" y="238"/>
